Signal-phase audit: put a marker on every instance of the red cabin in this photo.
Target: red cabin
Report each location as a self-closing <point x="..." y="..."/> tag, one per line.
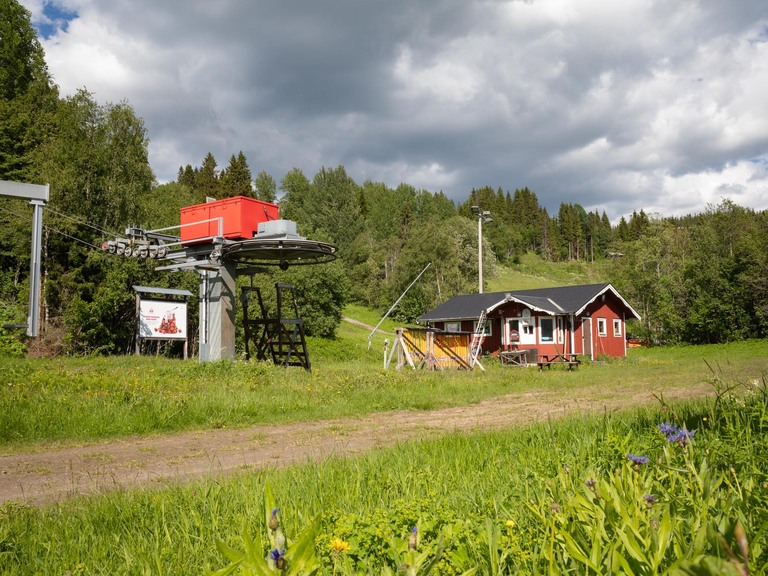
<point x="584" y="320"/>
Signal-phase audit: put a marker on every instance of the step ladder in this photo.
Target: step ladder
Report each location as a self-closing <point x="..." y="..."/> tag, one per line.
<point x="279" y="338"/>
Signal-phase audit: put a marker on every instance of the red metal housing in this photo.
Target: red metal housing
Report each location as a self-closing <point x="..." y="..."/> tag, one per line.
<point x="240" y="219"/>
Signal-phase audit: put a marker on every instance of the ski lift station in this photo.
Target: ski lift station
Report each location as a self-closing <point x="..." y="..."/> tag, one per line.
<point x="221" y="240"/>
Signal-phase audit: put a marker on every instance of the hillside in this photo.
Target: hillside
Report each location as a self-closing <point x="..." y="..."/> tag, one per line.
<point x="533" y="272"/>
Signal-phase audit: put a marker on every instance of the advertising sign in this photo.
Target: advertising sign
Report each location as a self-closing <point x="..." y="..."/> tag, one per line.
<point x="163" y="319"/>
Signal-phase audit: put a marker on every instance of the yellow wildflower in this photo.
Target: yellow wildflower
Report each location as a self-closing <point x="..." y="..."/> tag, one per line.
<point x="337" y="545"/>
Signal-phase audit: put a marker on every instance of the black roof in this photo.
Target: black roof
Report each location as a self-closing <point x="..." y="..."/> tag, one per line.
<point x="555" y="301"/>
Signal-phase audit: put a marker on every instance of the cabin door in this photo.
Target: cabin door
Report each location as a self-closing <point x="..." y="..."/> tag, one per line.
<point x="586" y="335"/>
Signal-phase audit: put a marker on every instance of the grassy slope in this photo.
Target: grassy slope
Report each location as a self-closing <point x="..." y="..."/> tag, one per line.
<point x="533" y="272"/>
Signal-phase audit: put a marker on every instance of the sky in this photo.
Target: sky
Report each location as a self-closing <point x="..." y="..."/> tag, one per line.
<point x="620" y="106"/>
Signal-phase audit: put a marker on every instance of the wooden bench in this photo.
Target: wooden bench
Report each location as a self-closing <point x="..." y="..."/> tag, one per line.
<point x="547" y="360"/>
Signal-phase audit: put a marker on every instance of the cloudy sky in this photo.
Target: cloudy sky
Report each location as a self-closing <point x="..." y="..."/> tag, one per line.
<point x="658" y="105"/>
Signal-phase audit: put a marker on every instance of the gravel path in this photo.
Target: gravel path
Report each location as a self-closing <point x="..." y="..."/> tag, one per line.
<point x="51" y="475"/>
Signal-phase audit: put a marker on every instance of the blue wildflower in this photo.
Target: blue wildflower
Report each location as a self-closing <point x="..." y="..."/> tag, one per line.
<point x="414" y="539"/>
<point x="277" y="556"/>
<point x="682" y="436"/>
<point x="667" y="429"/>
<point x="650" y="500"/>
<point x="274" y="522"/>
<point x="638" y="460"/>
<point x="675" y="434"/>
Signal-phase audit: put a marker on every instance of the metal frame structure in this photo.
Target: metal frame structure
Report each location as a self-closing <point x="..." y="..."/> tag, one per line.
<point x="38" y="195"/>
<point x="218" y="261"/>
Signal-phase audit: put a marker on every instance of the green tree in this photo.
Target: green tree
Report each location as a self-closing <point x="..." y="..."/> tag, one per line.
<point x="207" y="182"/>
<point x="266" y="188"/>
<point x="235" y="179"/>
<point x="28" y="97"/>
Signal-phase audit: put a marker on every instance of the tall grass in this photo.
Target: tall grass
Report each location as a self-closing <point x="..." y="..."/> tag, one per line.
<point x="554" y="497"/>
<point x="82" y="399"/>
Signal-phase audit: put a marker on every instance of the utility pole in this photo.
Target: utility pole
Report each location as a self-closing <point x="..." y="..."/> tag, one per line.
<point x="482" y="216"/>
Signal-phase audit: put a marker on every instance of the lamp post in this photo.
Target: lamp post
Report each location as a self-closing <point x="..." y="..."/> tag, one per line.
<point x="482" y="216"/>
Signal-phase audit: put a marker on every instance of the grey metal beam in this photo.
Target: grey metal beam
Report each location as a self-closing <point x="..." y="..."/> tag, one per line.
<point x="28" y="191"/>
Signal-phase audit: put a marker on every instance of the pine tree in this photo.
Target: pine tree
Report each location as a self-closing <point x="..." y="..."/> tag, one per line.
<point x="235" y="180"/>
<point x="207" y="180"/>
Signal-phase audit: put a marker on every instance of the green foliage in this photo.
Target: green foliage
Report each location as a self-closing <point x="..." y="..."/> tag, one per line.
<point x="699" y="279"/>
<point x="555" y="497"/>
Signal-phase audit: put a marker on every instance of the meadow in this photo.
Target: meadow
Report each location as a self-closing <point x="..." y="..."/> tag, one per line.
<point x="590" y="493"/>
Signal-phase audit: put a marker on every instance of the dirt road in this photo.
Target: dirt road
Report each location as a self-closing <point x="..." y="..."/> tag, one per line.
<point x="47" y="476"/>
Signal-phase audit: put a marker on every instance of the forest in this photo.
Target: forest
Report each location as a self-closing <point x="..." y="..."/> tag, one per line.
<point x="702" y="278"/>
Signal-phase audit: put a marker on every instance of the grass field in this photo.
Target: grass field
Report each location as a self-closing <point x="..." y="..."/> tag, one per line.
<point x="556" y="497"/>
<point x="83" y="399"/>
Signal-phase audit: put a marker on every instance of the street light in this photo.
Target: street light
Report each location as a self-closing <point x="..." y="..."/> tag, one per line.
<point x="482" y="216"/>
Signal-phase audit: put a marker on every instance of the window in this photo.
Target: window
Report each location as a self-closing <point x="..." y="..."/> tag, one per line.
<point x="602" y="327"/>
<point x="547" y="327"/>
<point x="617" y="327"/>
<point x="487" y="331"/>
<point x="453" y="326"/>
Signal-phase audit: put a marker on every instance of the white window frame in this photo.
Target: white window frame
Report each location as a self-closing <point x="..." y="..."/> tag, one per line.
<point x="617" y="327"/>
<point x="553" y="338"/>
<point x="488" y="328"/>
<point x="452" y="326"/>
<point x="602" y="327"/>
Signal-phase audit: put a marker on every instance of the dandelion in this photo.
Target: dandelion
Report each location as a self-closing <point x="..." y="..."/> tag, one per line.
<point x="638" y="460"/>
<point x="337" y="546"/>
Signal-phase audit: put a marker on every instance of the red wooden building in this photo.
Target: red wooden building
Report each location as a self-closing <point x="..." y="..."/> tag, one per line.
<point x="587" y="320"/>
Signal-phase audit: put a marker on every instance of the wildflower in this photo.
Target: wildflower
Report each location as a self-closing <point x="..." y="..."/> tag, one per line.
<point x="414" y="539"/>
<point x="638" y="460"/>
<point x="337" y="545"/>
<point x="277" y="557"/>
<point x="510" y="523"/>
<point x="667" y="429"/>
<point x="274" y="523"/>
<point x="591" y="483"/>
<point x="682" y="436"/>
<point x="650" y="500"/>
<point x="674" y="434"/>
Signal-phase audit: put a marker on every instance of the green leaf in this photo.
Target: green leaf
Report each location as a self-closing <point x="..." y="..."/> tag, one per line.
<point x="229" y="553"/>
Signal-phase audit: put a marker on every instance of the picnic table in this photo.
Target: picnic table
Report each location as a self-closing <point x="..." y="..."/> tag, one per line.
<point x="515" y="357"/>
<point x="547" y="360"/>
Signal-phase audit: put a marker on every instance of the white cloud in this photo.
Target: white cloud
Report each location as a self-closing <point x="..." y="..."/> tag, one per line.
<point x="618" y="106"/>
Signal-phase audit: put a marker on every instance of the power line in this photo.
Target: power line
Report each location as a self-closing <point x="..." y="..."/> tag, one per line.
<point x="52" y="229"/>
<point x="71" y="237"/>
<point x="82" y="222"/>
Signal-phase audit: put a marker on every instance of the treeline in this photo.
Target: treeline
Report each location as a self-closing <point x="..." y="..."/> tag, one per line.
<point x="701" y="278"/>
<point x="698" y="279"/>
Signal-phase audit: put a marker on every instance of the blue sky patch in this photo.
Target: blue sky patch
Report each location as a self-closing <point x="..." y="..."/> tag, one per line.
<point x="55" y="18"/>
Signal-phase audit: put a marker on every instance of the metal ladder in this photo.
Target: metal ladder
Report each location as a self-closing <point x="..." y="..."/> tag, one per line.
<point x="280" y="337"/>
<point x="477" y="337"/>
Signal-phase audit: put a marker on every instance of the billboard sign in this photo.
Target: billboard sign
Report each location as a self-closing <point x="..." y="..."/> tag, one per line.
<point x="163" y="319"/>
